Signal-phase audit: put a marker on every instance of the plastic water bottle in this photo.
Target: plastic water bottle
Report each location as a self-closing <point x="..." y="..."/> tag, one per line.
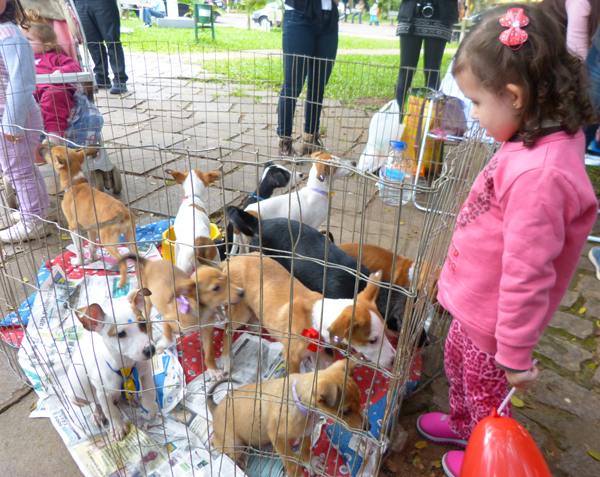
<point x="398" y="168"/>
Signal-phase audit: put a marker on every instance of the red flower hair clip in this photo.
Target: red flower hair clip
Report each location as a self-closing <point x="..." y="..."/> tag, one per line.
<point x="514" y="36"/>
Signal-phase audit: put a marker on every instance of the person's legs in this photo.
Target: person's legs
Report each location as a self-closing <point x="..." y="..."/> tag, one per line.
<point x="410" y="50"/>
<point x="483" y="387"/>
<point x="432" y="61"/>
<point x="17" y="161"/>
<point x="146" y="17"/>
<point x="319" y="71"/>
<point x="106" y="16"/>
<point x="94" y="42"/>
<point x="298" y="44"/>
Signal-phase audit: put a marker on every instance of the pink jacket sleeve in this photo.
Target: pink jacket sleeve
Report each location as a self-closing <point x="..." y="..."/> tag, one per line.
<point x="536" y="210"/>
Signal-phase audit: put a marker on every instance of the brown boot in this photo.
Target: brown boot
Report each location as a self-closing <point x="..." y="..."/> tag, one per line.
<point x="285" y="147"/>
<point x="311" y="143"/>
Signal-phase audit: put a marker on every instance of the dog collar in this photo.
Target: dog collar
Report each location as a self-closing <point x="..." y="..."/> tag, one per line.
<point x="300" y="406"/>
<point x="254" y="196"/>
<point x="322" y="192"/>
<point x="75" y="184"/>
<point x="131" y="382"/>
<point x="313" y="334"/>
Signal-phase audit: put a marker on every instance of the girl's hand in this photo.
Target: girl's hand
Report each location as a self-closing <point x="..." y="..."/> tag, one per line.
<point x="598" y="135"/>
<point x="12" y="137"/>
<point x="523" y="380"/>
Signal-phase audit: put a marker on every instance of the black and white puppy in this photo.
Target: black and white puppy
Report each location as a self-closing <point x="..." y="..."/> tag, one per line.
<point x="274" y="177"/>
<point x="339" y="283"/>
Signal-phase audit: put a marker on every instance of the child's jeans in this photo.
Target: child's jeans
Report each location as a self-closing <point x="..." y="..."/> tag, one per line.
<point x="17" y="161"/>
<point x="477" y="385"/>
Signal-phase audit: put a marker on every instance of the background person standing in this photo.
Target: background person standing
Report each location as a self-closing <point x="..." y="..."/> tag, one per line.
<point x="101" y="23"/>
<point x="426" y="22"/>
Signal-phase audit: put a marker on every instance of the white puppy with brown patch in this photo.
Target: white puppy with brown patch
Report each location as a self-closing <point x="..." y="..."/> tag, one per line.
<point x="192" y="225"/>
<point x="113" y="360"/>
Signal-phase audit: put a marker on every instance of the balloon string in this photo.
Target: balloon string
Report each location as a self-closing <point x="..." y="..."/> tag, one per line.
<point x="510" y="394"/>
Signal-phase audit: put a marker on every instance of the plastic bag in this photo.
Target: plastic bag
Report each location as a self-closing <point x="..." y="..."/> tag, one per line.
<point x="384" y="127"/>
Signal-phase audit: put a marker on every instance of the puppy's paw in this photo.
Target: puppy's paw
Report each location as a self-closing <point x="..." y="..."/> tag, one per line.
<point x="152" y="411"/>
<point x="119" y="430"/>
<point x="215" y="374"/>
<point x="93" y="257"/>
<point x="317" y="466"/>
<point x="77" y="261"/>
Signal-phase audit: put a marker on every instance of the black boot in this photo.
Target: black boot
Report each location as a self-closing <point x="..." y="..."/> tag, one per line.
<point x="311" y="143"/>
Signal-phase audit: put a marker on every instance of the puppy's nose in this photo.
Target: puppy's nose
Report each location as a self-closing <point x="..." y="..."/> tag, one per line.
<point x="367" y="426"/>
<point x="149" y="351"/>
<point x="240" y="292"/>
<point x="353" y="163"/>
<point x="301" y="175"/>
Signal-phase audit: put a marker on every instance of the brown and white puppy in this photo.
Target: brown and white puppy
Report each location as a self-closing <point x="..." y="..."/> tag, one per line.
<point x="378" y="258"/>
<point x="113" y="344"/>
<point x="309" y="205"/>
<point x="341" y="323"/>
<point x="89" y="210"/>
<point x="289" y="409"/>
<point x="186" y="303"/>
<point x="192" y="225"/>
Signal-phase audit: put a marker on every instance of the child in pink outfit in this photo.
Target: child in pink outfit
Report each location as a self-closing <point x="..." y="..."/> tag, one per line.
<point x="521" y="231"/>
<point x="56" y="100"/>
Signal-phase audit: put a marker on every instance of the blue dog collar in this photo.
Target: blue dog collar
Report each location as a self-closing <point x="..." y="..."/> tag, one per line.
<point x="254" y="196"/>
<point x="130" y="385"/>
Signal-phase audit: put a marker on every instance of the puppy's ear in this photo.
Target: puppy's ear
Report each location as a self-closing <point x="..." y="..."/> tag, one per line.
<point x="277" y="179"/>
<point x="314" y="155"/>
<point x="92" y="317"/>
<point x="322" y="171"/>
<point x="212" y="176"/>
<point x="178" y="176"/>
<point x="371" y="290"/>
<point x="186" y="288"/>
<point x="328" y="393"/>
<point x="136" y="297"/>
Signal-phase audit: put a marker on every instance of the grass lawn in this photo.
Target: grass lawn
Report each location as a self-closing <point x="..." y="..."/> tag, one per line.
<point x="179" y="40"/>
<point x="354" y="77"/>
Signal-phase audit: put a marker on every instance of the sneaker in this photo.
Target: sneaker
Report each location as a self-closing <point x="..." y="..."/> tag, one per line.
<point x="24" y="231"/>
<point x="452" y="463"/>
<point x="595" y="259"/>
<point x="285" y="147"/>
<point x="103" y="83"/>
<point x="146" y="25"/>
<point x="311" y="143"/>
<point x="118" y="88"/>
<point x="434" y="426"/>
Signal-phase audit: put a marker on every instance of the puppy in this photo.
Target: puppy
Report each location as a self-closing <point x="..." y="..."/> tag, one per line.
<point x="113" y="348"/>
<point x="192" y="225"/>
<point x="375" y="258"/>
<point x="186" y="303"/>
<point x="309" y="205"/>
<point x="341" y="322"/>
<point x="289" y="409"/>
<point x="310" y="243"/>
<point x="89" y="210"/>
<point x="274" y="177"/>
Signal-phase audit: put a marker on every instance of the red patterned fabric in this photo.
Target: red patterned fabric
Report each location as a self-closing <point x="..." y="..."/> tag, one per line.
<point x="477" y="385"/>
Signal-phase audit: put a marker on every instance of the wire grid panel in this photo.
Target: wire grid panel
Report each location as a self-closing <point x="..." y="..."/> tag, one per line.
<point x="183" y="115"/>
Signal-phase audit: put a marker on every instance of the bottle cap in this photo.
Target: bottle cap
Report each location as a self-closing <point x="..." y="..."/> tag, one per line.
<point x="398" y="145"/>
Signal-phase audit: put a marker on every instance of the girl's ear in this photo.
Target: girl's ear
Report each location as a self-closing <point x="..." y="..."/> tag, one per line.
<point x="516" y="94"/>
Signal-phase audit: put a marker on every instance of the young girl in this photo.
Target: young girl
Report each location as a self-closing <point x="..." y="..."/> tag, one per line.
<point x="19" y="108"/>
<point x="520" y="233"/>
<point x="56" y="100"/>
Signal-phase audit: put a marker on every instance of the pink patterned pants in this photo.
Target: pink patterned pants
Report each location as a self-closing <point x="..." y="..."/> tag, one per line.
<point x="477" y="385"/>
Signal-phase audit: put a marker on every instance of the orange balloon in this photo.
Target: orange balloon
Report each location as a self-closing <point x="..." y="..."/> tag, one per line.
<point x="501" y="447"/>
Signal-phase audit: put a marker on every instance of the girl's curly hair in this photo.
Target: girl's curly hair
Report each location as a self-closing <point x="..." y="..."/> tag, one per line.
<point x="14" y="13"/>
<point x="554" y="80"/>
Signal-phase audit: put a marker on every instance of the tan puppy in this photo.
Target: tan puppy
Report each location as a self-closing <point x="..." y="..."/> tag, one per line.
<point x="366" y="331"/>
<point x="89" y="210"/>
<point x="285" y="412"/>
<point x="378" y="258"/>
<point x="186" y="303"/>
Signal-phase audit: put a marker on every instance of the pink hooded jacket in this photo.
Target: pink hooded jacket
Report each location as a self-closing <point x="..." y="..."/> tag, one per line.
<point x="56" y="100"/>
<point x="516" y="245"/>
